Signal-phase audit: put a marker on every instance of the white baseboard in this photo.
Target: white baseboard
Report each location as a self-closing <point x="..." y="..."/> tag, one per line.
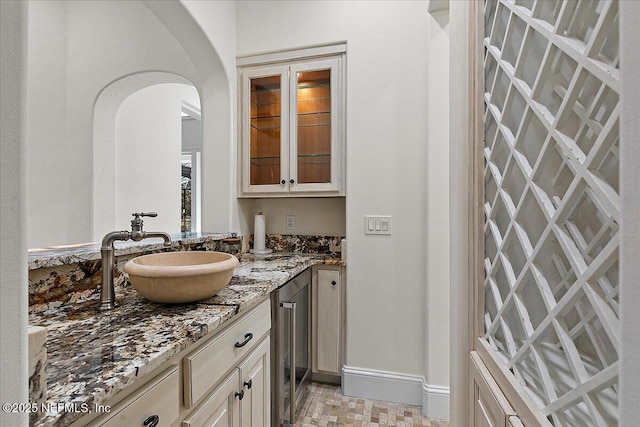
<point x="381" y="385"/>
<point x="397" y="388"/>
<point x="435" y="402"/>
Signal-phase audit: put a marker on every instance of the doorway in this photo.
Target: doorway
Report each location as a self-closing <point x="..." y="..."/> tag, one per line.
<point x="191" y="194"/>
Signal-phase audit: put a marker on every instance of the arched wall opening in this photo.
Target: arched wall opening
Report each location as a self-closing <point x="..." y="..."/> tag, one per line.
<point x="138" y="174"/>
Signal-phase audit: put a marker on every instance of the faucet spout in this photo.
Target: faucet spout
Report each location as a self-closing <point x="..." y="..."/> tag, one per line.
<point x="161" y="234"/>
<point x="107" y="289"/>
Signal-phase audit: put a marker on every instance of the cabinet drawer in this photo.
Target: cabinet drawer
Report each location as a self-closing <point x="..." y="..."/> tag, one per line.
<point x="206" y="366"/>
<point x="160" y="398"/>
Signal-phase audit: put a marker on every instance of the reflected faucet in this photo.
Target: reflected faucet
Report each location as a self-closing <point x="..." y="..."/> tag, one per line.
<point x="107" y="291"/>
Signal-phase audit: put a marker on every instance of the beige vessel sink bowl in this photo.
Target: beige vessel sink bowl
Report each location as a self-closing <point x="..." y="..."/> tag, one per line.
<point x="179" y="277"/>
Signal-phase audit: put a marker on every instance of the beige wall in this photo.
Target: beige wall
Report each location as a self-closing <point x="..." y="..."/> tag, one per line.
<point x="13" y="249"/>
<point x="396" y="165"/>
<point x="437" y="199"/>
<point x="313" y="216"/>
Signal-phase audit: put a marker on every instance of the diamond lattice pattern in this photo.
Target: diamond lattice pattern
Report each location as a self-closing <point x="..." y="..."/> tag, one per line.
<point x="552" y="204"/>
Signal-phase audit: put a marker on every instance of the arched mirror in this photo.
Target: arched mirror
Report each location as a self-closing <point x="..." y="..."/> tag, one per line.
<point x="108" y="85"/>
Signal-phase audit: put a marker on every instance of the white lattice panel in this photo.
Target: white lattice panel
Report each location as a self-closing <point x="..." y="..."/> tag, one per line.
<point x="552" y="204"/>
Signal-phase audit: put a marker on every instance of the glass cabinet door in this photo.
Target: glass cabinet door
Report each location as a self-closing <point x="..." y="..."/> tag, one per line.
<point x="265" y="127"/>
<point x="265" y="130"/>
<point x="291" y="129"/>
<point x="314" y="125"/>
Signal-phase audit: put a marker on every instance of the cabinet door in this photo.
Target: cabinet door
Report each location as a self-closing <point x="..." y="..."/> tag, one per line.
<point x="328" y="322"/>
<point x="315" y="127"/>
<point x="265" y="127"/>
<point x="491" y="408"/>
<point x="255" y="374"/>
<point x="221" y="408"/>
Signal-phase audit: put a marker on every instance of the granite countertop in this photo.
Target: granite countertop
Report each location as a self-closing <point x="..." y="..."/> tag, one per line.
<point x="91" y="356"/>
<point x="60" y="255"/>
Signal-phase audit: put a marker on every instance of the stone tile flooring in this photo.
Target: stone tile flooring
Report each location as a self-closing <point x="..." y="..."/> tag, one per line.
<point x="326" y="406"/>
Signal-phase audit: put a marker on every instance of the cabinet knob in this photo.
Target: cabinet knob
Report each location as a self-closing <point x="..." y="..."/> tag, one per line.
<point x="333" y="282"/>
<point x="239" y="394"/>
<point x="152" y="421"/>
<point x="292" y="181"/>
<point x="248" y="384"/>
<point x="283" y="182"/>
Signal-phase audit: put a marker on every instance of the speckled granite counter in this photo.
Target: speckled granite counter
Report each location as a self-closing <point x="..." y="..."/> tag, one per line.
<point x="92" y="356"/>
<point x="66" y="275"/>
<point x="70" y="254"/>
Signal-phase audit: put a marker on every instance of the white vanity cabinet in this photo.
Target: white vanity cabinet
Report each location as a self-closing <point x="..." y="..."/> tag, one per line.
<point x="291" y="113"/>
<point x="328" y="322"/>
<point x="241" y="399"/>
<point x="222" y="381"/>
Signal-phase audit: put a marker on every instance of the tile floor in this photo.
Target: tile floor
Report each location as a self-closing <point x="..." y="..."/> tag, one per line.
<point x="326" y="406"/>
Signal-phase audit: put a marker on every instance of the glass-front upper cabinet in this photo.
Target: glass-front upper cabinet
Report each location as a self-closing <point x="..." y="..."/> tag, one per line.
<point x="265" y="126"/>
<point x="292" y="130"/>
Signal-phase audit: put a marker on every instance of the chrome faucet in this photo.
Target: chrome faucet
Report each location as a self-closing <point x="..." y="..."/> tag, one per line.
<point x="107" y="291"/>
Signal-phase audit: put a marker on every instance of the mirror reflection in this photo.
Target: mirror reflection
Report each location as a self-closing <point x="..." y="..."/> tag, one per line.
<point x="157" y="151"/>
<point x="113" y="123"/>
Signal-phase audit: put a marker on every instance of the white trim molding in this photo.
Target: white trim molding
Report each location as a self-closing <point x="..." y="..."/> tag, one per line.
<point x="435" y="401"/>
<point x="398" y="388"/>
<point x="192" y="110"/>
<point x="382" y="385"/>
<point x="292" y="54"/>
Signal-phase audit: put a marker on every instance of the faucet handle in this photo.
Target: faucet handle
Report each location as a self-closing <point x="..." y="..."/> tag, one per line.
<point x="151" y="214"/>
<point x="136" y="222"/>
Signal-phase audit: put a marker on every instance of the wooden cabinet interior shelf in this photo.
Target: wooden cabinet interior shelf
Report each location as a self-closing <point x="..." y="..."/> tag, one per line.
<point x="307" y="158"/>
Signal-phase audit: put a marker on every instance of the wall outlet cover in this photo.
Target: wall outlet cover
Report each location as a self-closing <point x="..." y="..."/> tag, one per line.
<point x="291" y="222"/>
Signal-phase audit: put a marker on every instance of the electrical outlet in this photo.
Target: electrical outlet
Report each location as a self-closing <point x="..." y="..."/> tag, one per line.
<point x="291" y="222"/>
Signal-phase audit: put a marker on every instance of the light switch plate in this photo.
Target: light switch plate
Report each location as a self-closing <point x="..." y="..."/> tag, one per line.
<point x="377" y="224"/>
